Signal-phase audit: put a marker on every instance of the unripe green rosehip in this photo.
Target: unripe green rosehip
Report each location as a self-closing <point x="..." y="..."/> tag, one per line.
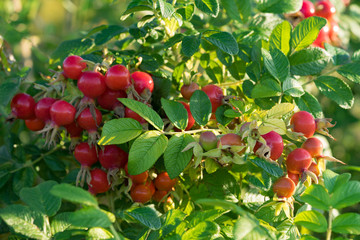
<point x="208" y="140"/>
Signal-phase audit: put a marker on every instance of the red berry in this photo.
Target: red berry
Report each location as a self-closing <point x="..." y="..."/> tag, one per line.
<point x="275" y="142"/>
<point x="86" y="120"/>
<point x="303" y="122"/>
<point x="142" y="80"/>
<point x="323" y="37"/>
<point x="73" y="67"/>
<point x="113" y="157"/>
<point x="117" y="78"/>
<point x="298" y="161"/>
<point x="158" y="195"/>
<point x="308" y="9"/>
<point x="232" y="139"/>
<point x="42" y="109"/>
<point x="74" y="130"/>
<point x="141" y="193"/>
<point x="325" y="9"/>
<point x="191" y="120"/>
<point x="92" y="84"/>
<point x="151" y="186"/>
<point x="62" y="113"/>
<point x="34" y="124"/>
<point x="99" y="182"/>
<point x="108" y="100"/>
<point x="215" y="95"/>
<point x="284" y="187"/>
<point x="85" y="154"/>
<point x="23" y="106"/>
<point x="188" y="90"/>
<point x="314" y="168"/>
<point x="314" y="146"/>
<point x="164" y="182"/>
<point x="208" y="140"/>
<point x="334" y="30"/>
<point x="131" y="114"/>
<point x="138" y="179"/>
<point x="294" y="177"/>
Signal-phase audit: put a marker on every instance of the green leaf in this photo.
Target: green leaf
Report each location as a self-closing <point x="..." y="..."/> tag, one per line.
<point x="22" y="220"/>
<point x="40" y="199"/>
<point x="336" y="90"/>
<point x="23" y="178"/>
<point x="225" y="41"/>
<point x="329" y="179"/>
<point x="277" y="64"/>
<point x="60" y="222"/>
<point x="173" y="218"/>
<point x="99" y="233"/>
<point x="205" y="215"/>
<point x="279" y="6"/>
<point x="145" y="150"/>
<point x="237" y="69"/>
<point x="222" y="204"/>
<point x="109" y="33"/>
<point x="147" y="216"/>
<point x="134" y="8"/>
<point x="176" y="113"/>
<point x="225" y="58"/>
<point x="73" y="194"/>
<point x="75" y="47"/>
<point x="280" y="37"/>
<point x="279" y="110"/>
<point x="341" y="180"/>
<point x="309" y="103"/>
<point x="267" y="87"/>
<point x="221" y="185"/>
<point x="232" y="10"/>
<point x="210" y="7"/>
<point x="220" y="115"/>
<point x="312" y="220"/>
<point x="187" y="12"/>
<point x="190" y="45"/>
<point x="270" y="168"/>
<point x="246" y="228"/>
<point x="166" y="9"/>
<point x="308" y="61"/>
<point x="200" y="107"/>
<point x="292" y="87"/>
<point x="118" y="131"/>
<point x="347" y="223"/>
<point x="204" y="230"/>
<point x="316" y="196"/>
<point x="89" y="217"/>
<point x="173" y="40"/>
<point x="350" y="71"/>
<point x="347" y="195"/>
<point x="175" y="160"/>
<point x="144" y="111"/>
<point x="7" y="91"/>
<point x="339" y="55"/>
<point x="306" y="32"/>
<point x="245" y="10"/>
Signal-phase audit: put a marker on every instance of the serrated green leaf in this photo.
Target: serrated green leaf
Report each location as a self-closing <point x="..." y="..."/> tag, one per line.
<point x="118" y="131"/>
<point x="306" y="32"/>
<point x="278" y="6"/>
<point x="22" y="220"/>
<point x="347" y="223"/>
<point x="147" y="216"/>
<point x="166" y="9"/>
<point x="329" y="179"/>
<point x="280" y="37"/>
<point x="308" y="61"/>
<point x="175" y="160"/>
<point x="173" y="40"/>
<point x="292" y="87"/>
<point x="206" y="215"/>
<point x="204" y="230"/>
<point x="40" y="199"/>
<point x="75" y="47"/>
<point x="89" y="217"/>
<point x="225" y="58"/>
<point x="277" y="64"/>
<point x="145" y="150"/>
<point x="144" y="111"/>
<point x="200" y="107"/>
<point x="336" y="90"/>
<point x="280" y="110"/>
<point x="210" y="7"/>
<point x="237" y="69"/>
<point x="316" y="196"/>
<point x="225" y="41"/>
<point x="60" y="222"/>
<point x="173" y="218"/>
<point x="246" y="228"/>
<point x="108" y="33"/>
<point x="309" y="103"/>
<point x="187" y="12"/>
<point x="350" y="71"/>
<point x="176" y="113"/>
<point x="347" y="195"/>
<point x="232" y="10"/>
<point x="270" y="168"/>
<point x="267" y="87"/>
<point x="339" y="55"/>
<point x="220" y="115"/>
<point x="99" y="233"/>
<point x="21" y="179"/>
<point x="74" y="194"/>
<point x="312" y="220"/>
<point x="190" y="45"/>
<point x="132" y="9"/>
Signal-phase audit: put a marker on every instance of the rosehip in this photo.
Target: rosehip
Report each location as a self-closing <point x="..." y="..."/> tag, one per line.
<point x="232" y="139"/>
<point x="308" y="9"/>
<point x="92" y="84"/>
<point x="303" y="122"/>
<point x="73" y="67"/>
<point x="131" y="114"/>
<point x="298" y="161"/>
<point x="108" y="100"/>
<point x="113" y="157"/>
<point x="142" y="81"/>
<point x="164" y="182"/>
<point x="188" y="90"/>
<point x="42" y="109"/>
<point x="191" y="119"/>
<point x="314" y="146"/>
<point x="117" y="78"/>
<point x="34" y="124"/>
<point x="208" y="140"/>
<point x="284" y="187"/>
<point x="275" y="142"/>
<point x="215" y="95"/>
<point x="325" y="9"/>
<point x="62" y="113"/>
<point x="141" y="193"/>
<point x="99" y="182"/>
<point x="23" y="106"/>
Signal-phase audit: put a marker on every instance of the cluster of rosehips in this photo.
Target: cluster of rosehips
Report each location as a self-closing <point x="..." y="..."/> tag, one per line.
<point x="325" y="9"/>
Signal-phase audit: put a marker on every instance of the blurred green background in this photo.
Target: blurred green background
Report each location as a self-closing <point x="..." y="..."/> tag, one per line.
<point x="34" y="28"/>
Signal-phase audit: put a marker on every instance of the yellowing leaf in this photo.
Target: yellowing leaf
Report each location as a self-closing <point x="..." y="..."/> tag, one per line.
<point x="280" y="110"/>
<point x="273" y="124"/>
